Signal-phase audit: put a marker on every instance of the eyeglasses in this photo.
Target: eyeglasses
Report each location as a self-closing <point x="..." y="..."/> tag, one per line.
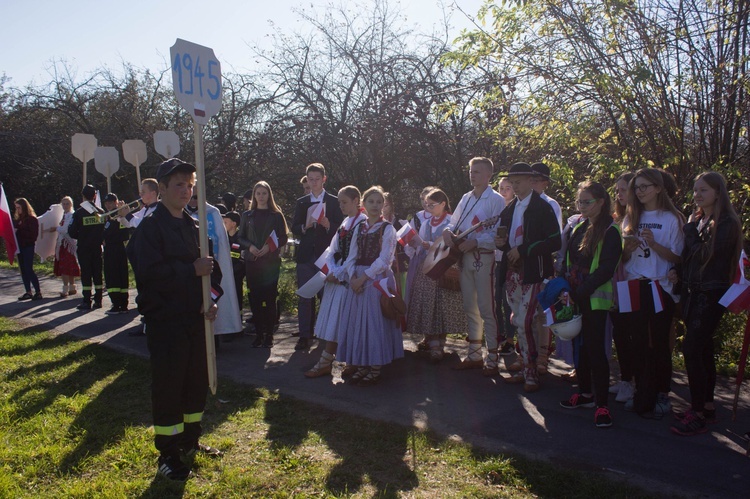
<point x="643" y="187"/>
<point x="586" y="202"/>
<point x="431" y="205"/>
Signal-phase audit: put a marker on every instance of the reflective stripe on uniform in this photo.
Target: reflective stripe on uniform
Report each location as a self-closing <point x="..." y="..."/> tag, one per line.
<point x="86" y="288"/>
<point x="196" y="417"/>
<point x="169" y="430"/>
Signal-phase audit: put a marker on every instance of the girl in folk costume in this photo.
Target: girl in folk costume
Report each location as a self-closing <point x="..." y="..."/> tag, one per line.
<point x="433" y="311"/>
<point x="27" y="230"/>
<point x="401" y="261"/>
<point x="652" y="230"/>
<point x="66" y="265"/>
<point x="416" y="259"/>
<point x="263" y="263"/>
<point x="337" y="296"/>
<point x="368" y="339"/>
<point x="591" y="259"/>
<point x="713" y="243"/>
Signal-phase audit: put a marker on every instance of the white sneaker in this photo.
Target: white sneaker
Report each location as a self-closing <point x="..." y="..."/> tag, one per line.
<point x="626" y="391"/>
<point x="616" y="387"/>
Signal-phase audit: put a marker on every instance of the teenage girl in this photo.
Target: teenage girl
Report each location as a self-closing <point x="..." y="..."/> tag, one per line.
<point x="27" y="230"/>
<point x="653" y="244"/>
<point x="592" y="256"/>
<point x="713" y="240"/>
<point x="262" y="266"/>
<point x="336" y="302"/>
<point x="433" y="311"/>
<point x="369" y="339"/>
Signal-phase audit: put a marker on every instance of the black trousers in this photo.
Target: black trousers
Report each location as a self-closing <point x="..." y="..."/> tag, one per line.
<point x="179" y="383"/>
<point x="90" y="261"/>
<point x="116" y="274"/>
<point x="263" y="284"/>
<point x="623" y="344"/>
<point x="505" y="330"/>
<point x="702" y="314"/>
<point x="593" y="366"/>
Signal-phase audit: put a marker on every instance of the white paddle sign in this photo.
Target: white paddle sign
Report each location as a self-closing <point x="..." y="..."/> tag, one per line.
<point x="83" y="145"/>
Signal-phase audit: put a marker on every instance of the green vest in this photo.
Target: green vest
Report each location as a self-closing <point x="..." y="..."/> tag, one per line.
<point x="603" y="297"/>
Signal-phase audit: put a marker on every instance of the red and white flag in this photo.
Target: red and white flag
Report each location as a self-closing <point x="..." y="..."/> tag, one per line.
<point x="7" y="232"/>
<point x="235" y="247"/>
<point x="382" y="286"/>
<point x="550" y="316"/>
<point x="215" y="295"/>
<point x="199" y="109"/>
<point x="272" y="242"/>
<point x="319" y="212"/>
<point x="479" y="217"/>
<point x="737" y="297"/>
<point x="629" y="296"/>
<point x="406" y="234"/>
<point x="321" y="262"/>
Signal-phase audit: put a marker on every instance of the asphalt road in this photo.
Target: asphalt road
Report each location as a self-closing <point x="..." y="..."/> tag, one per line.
<point x="461" y="405"/>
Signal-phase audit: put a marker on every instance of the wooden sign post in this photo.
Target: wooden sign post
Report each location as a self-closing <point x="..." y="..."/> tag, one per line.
<point x="167" y="144"/>
<point x="134" y="152"/>
<point x="196" y="78"/>
<point x="82" y="146"/>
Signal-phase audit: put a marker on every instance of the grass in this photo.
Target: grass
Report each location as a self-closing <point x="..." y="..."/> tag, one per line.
<point x="75" y="421"/>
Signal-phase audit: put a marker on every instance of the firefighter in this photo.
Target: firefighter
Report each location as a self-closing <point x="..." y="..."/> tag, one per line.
<point x="115" y="260"/>
<point x="87" y="227"/>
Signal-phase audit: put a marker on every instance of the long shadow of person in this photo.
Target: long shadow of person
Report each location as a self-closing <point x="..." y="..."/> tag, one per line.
<point x="363" y="448"/>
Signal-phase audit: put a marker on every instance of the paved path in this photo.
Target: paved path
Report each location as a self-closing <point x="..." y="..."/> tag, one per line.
<point x="460" y="405"/>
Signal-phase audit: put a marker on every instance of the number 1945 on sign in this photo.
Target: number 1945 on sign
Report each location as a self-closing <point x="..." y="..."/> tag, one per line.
<point x="193" y="78"/>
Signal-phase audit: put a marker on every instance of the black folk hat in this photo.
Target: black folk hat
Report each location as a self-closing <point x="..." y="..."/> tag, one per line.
<point x="520" y="169"/>
<point x="541" y="170"/>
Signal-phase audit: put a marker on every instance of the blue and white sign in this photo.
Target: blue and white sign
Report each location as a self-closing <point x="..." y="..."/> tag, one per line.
<point x="196" y="78"/>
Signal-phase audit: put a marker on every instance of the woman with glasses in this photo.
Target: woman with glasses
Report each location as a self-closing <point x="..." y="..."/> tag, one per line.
<point x="713" y="242"/>
<point x="652" y="230"/>
<point x="433" y="311"/>
<point x="66" y="265"/>
<point x="592" y="255"/>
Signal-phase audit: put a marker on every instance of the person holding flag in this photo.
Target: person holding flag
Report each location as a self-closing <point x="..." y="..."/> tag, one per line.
<point x="713" y="243"/>
<point x="478" y="264"/>
<point x="368" y="339"/>
<point x="316" y="216"/>
<point x="335" y="305"/>
<point x="433" y="311"/>
<point x="263" y="231"/>
<point x="652" y="229"/>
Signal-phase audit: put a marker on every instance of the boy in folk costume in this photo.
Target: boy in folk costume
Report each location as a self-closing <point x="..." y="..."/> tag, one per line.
<point x="168" y="269"/>
<point x="87" y="227"/>
<point x="314" y="235"/>
<point x="478" y="264"/>
<point x="533" y="235"/>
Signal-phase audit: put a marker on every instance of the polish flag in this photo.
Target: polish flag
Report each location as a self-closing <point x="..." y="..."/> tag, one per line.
<point x="7" y="232"/>
<point x="550" y="316"/>
<point x="321" y="261"/>
<point x="215" y="295"/>
<point x="272" y="242"/>
<point x="629" y="296"/>
<point x="235" y="247"/>
<point x="406" y="234"/>
<point x="199" y="109"/>
<point x="319" y="212"/>
<point x="382" y="286"/>
<point x="657" y="293"/>
<point x="479" y="217"/>
<point x="737" y="297"/>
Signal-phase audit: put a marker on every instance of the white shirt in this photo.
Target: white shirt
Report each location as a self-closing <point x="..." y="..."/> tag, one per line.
<point x="515" y="236"/>
<point x="138" y="216"/>
<point x="644" y="262"/>
<point x="555" y="207"/>
<point x="318" y="199"/>
<point x="490" y="203"/>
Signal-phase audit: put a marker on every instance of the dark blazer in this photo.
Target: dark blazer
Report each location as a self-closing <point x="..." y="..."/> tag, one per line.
<point x="541" y="238"/>
<point x="313" y="242"/>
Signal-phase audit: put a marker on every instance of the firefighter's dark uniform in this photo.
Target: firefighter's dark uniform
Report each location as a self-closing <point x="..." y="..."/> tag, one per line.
<point x="162" y="251"/>
<point x="87" y="227"/>
<point x="116" y="263"/>
<point x="238" y="265"/>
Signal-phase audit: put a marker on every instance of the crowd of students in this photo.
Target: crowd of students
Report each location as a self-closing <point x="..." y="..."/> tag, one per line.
<point x="512" y="246"/>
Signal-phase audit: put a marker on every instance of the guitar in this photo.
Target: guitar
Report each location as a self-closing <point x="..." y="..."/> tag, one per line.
<point x="440" y="257"/>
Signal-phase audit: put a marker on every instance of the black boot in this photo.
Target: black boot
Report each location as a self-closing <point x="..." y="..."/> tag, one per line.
<point x="268" y="339"/>
<point x="260" y="333"/>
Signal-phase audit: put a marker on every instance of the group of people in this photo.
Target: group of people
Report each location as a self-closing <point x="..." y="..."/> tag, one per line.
<point x="623" y="266"/>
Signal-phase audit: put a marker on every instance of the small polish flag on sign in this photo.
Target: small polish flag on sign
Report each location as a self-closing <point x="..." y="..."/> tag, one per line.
<point x="321" y="261"/>
<point x="382" y="286"/>
<point x="737" y="297"/>
<point x="629" y="296"/>
<point x="199" y="109"/>
<point x="479" y="217"/>
<point x="550" y="317"/>
<point x="7" y="232"/>
<point x="214" y="294"/>
<point x="319" y="212"/>
<point x="272" y="242"/>
<point x="406" y="234"/>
